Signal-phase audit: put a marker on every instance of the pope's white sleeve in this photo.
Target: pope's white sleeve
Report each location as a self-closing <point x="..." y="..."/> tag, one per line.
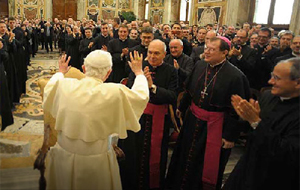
<point x="140" y="86"/>
<point x="49" y="86"/>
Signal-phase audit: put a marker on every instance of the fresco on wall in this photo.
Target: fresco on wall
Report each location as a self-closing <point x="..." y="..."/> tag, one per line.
<point x="109" y="3"/>
<point x="208" y="15"/>
<point x="157" y="3"/>
<point x="30" y="13"/>
<point x="156" y="15"/>
<point x="205" y="1"/>
<point x="108" y="14"/>
<point x="30" y="9"/>
<point x="30" y="2"/>
<point x="124" y="4"/>
<point x="93" y="2"/>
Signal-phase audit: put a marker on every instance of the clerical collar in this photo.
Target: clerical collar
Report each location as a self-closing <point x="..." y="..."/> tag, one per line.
<point x="154" y="67"/>
<point x="178" y="56"/>
<point x="284" y="98"/>
<point x="217" y="63"/>
<point x="123" y="40"/>
<point x="105" y="36"/>
<point x="296" y="55"/>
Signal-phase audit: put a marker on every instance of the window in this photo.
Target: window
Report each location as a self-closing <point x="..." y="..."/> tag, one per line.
<point x="262" y="8"/>
<point x="147" y="9"/>
<point x="272" y="12"/>
<point x="283" y="11"/>
<point x="185" y="10"/>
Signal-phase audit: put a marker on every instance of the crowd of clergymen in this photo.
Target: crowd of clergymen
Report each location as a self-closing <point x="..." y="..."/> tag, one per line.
<point x="254" y="50"/>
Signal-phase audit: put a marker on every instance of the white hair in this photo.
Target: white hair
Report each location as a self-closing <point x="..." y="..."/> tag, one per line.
<point x="99" y="73"/>
<point x="157" y="40"/>
<point x="178" y="40"/>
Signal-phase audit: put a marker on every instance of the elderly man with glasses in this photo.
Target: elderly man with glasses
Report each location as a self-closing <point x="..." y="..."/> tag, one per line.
<point x="271" y="160"/>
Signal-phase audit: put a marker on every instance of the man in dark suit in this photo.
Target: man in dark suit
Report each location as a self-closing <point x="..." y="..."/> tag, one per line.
<point x="242" y="56"/>
<point x="48" y="36"/>
<point x="295" y="46"/>
<point x="181" y="62"/>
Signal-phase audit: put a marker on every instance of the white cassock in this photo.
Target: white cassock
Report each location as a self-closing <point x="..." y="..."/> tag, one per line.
<point x="87" y="111"/>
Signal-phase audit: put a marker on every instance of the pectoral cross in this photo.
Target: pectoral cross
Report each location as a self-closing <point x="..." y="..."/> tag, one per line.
<point x="203" y="93"/>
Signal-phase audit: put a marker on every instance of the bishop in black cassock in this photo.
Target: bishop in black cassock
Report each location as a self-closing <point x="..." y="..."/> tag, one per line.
<point x="199" y="158"/>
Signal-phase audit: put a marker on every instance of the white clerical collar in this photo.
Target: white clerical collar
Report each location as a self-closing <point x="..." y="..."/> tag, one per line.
<point x="123" y="40"/>
<point x="154" y="67"/>
<point x="296" y="55"/>
<point x="217" y="63"/>
<point x="104" y="36"/>
<point x="284" y="98"/>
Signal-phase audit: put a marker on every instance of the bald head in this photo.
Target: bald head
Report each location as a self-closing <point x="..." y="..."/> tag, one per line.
<point x="209" y="35"/>
<point x="156" y="52"/>
<point x="176" y="47"/>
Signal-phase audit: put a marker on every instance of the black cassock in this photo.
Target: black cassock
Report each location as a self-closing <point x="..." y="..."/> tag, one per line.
<point x="271" y="160"/>
<point x="8" y="60"/>
<point x="187" y="163"/>
<point x="100" y="41"/>
<point x="247" y="63"/>
<point x="20" y="58"/>
<point x="115" y="47"/>
<point x="73" y="50"/>
<point x="5" y="103"/>
<point x="185" y="67"/>
<point x="135" y="170"/>
<point x="83" y="49"/>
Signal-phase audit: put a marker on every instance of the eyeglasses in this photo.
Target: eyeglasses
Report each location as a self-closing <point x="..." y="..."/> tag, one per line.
<point x="277" y="78"/>
<point x="210" y="49"/>
<point x="264" y="37"/>
<point x="240" y="37"/>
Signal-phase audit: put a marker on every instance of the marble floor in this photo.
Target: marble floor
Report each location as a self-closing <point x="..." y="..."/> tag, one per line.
<point x="19" y="142"/>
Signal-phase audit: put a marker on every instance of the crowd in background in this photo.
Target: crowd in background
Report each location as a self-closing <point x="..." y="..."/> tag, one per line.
<point x="254" y="50"/>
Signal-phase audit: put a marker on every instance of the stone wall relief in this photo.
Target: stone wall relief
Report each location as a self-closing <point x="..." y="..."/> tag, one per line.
<point x="157" y="3"/>
<point x="109" y="3"/>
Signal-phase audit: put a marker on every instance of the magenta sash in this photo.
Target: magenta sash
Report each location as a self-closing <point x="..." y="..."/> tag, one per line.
<point x="158" y="113"/>
<point x="213" y="145"/>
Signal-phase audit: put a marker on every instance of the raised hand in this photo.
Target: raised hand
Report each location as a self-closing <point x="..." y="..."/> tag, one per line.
<point x="147" y="74"/>
<point x="64" y="64"/>
<point x="176" y="65"/>
<point x="136" y="63"/>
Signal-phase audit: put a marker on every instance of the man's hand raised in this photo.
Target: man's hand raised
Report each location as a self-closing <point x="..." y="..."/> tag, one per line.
<point x="136" y="63"/>
<point x="64" y="64"/>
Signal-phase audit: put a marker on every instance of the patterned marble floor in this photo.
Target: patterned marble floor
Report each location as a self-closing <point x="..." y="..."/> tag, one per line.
<point x="20" y="141"/>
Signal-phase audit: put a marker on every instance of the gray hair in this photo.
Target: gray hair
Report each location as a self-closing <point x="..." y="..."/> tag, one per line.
<point x="99" y="73"/>
<point x="157" y="40"/>
<point x="178" y="40"/>
<point x="295" y="67"/>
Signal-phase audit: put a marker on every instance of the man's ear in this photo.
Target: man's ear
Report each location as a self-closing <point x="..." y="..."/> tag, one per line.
<point x="83" y="68"/>
<point x="107" y="75"/>
<point x="298" y="84"/>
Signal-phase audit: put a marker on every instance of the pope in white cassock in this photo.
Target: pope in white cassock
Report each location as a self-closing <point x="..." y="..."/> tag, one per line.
<point x="87" y="111"/>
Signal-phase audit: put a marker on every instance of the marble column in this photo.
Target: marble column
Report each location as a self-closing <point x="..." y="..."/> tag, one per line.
<point x="232" y="12"/>
<point x="135" y="8"/>
<point x="48" y="9"/>
<point x="81" y="12"/>
<point x="294" y="24"/>
<point x="167" y="12"/>
<point x="11" y="7"/>
<point x="175" y="5"/>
